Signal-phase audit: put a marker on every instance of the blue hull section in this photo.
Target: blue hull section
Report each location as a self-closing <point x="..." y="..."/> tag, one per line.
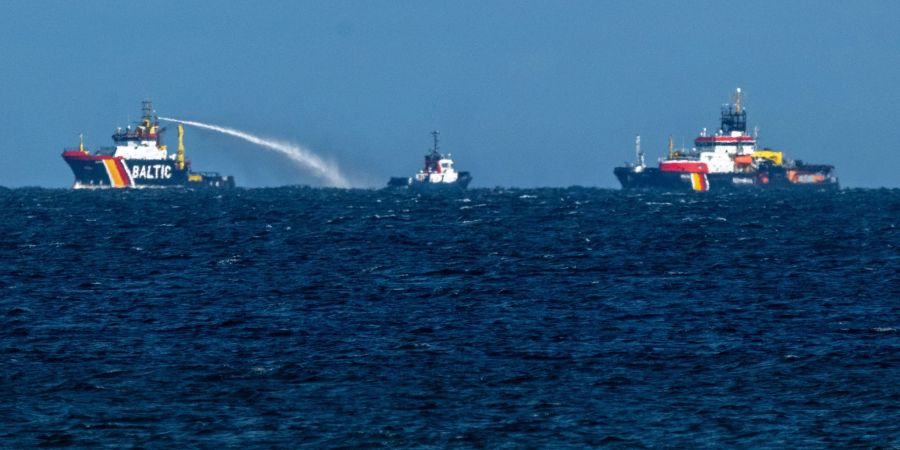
<point x="101" y="171"/>
<point x="773" y="179"/>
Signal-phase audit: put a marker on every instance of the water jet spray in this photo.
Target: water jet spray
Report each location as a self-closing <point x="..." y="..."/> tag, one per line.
<point x="299" y="155"/>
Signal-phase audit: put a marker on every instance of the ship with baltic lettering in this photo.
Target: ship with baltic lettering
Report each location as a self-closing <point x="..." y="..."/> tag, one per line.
<point x="139" y="159"/>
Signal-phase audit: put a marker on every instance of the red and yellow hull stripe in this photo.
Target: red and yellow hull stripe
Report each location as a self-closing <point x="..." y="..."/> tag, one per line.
<point x="118" y="174"/>
<point x="699" y="182"/>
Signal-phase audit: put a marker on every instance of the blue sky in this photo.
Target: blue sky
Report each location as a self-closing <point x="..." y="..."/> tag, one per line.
<point x="524" y="93"/>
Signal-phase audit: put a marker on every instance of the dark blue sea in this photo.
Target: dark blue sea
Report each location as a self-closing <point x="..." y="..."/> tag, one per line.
<point x="494" y="318"/>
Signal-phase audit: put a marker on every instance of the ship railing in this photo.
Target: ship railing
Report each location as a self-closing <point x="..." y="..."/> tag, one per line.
<point x="208" y="174"/>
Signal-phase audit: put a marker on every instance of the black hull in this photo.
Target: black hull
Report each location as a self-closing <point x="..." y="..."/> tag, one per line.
<point x="653" y="178"/>
<point x="775" y="179"/>
<point x="105" y="171"/>
<point x="772" y="179"/>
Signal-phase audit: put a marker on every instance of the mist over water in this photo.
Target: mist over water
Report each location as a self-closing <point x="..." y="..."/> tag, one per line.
<point x="301" y="156"/>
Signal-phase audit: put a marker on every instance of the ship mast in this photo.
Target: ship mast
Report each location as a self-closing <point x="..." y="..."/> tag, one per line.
<point x="734" y="118"/>
<point x="637" y="151"/>
<point x="147" y="109"/>
<point x="435" y="134"/>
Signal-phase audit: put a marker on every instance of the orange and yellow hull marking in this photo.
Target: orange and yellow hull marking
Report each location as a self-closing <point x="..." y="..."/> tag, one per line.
<point x="699" y="182"/>
<point x="118" y="176"/>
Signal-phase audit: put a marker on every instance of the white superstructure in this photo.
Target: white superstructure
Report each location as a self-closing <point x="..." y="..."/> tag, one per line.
<point x="438" y="172"/>
<point x="730" y="141"/>
<point x="441" y="172"/>
<point x="438" y="168"/>
<point x="143" y="140"/>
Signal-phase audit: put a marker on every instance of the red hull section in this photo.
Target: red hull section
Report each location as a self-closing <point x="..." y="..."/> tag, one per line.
<point x="724" y="140"/>
<point x="683" y="166"/>
<point x="115" y="166"/>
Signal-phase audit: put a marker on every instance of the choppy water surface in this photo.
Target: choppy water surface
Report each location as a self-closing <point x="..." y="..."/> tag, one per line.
<point x="549" y="317"/>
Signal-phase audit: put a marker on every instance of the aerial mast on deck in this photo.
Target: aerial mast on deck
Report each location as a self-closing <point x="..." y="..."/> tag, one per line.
<point x="435" y="134"/>
<point x="638" y="153"/>
<point x="147" y="109"/>
<point x="734" y="118"/>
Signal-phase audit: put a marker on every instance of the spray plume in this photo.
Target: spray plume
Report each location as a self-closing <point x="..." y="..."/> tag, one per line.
<point x="299" y="155"/>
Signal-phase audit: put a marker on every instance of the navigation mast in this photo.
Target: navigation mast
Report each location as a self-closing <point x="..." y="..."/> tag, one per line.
<point x="435" y="133"/>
